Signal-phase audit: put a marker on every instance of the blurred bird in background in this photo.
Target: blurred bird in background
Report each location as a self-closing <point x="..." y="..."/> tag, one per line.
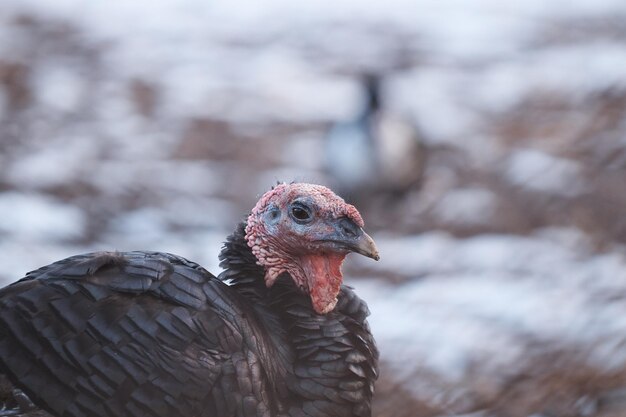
<point x="378" y="151"/>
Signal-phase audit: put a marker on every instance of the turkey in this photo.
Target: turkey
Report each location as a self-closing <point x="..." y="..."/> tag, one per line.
<point x="153" y="334"/>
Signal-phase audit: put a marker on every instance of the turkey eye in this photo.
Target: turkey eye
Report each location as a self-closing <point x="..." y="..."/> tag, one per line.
<point x="300" y="214"/>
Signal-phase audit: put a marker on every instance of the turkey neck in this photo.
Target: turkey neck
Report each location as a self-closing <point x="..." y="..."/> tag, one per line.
<point x="242" y="273"/>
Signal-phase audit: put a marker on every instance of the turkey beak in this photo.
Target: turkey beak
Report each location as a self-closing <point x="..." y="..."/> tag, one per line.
<point x="350" y="236"/>
<point x="365" y="246"/>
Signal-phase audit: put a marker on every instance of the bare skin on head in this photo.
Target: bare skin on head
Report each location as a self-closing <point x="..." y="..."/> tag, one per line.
<point x="307" y="230"/>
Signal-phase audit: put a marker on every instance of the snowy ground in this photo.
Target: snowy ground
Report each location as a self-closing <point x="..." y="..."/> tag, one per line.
<point x="501" y="289"/>
<point x="479" y="312"/>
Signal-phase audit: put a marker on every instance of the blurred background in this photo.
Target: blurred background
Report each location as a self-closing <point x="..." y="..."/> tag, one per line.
<point x="484" y="143"/>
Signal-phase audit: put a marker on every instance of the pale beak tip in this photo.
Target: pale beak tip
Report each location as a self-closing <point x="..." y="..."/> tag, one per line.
<point x="368" y="247"/>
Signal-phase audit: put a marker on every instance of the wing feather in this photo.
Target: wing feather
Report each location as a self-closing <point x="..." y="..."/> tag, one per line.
<point x="129" y="334"/>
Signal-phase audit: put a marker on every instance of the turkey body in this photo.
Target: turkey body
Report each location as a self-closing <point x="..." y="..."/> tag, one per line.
<point x="152" y="334"/>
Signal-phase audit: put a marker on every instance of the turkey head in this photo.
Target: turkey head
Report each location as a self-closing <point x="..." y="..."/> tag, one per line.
<point x="307" y="230"/>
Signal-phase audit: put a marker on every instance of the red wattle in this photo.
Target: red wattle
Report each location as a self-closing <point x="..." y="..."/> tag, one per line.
<point x="324" y="278"/>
